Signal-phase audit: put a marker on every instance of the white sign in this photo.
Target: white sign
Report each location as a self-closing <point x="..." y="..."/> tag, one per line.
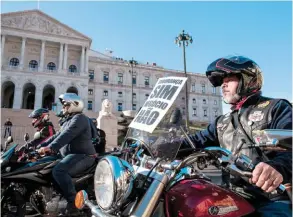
<point x="158" y="103"/>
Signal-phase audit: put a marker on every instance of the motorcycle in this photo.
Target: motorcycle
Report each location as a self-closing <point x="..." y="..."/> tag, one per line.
<point x="28" y="188"/>
<point x="155" y="183"/>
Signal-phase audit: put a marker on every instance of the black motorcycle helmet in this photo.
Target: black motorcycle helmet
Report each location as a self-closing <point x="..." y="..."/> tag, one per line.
<point x="249" y="73"/>
<point x="39" y="116"/>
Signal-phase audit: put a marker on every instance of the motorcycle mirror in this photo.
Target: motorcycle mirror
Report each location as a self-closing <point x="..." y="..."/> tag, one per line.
<point x="37" y="135"/>
<point x="9" y="139"/>
<point x="81" y="199"/>
<point x="176" y="116"/>
<point x="115" y="149"/>
<point x="273" y="138"/>
<point x="26" y="137"/>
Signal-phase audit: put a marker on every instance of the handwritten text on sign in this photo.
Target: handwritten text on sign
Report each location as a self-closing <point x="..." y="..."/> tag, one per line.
<point x="160" y="100"/>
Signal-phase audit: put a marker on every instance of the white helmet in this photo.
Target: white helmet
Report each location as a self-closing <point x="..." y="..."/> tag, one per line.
<point x="74" y="102"/>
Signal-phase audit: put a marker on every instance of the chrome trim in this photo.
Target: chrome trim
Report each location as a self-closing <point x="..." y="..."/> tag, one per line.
<point x="122" y="173"/>
<point x="95" y="210"/>
<point x="148" y="203"/>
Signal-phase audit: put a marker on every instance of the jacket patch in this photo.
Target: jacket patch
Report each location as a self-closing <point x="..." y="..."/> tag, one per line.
<point x="263" y="104"/>
<point x="256" y="116"/>
<point x="221" y="126"/>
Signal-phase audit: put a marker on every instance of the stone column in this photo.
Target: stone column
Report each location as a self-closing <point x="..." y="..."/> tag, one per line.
<point x="2" y="49"/>
<point x="86" y="61"/>
<point x="22" y="52"/>
<point x="38" y="98"/>
<point x="82" y="60"/>
<point x="41" y="68"/>
<point x="17" y="100"/>
<point x="60" y="57"/>
<point x="65" y="58"/>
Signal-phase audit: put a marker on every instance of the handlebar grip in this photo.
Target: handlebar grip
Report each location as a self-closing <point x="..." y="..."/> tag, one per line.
<point x="280" y="189"/>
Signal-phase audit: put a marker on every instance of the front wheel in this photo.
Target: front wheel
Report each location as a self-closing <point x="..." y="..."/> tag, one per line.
<point x="13" y="204"/>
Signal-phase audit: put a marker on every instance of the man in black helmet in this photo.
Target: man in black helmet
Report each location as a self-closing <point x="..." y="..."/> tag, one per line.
<point x="241" y="81"/>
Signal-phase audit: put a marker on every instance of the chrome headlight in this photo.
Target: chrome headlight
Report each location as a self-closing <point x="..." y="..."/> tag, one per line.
<point x="113" y="182"/>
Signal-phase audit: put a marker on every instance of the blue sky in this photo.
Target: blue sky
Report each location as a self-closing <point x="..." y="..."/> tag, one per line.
<point x="146" y="31"/>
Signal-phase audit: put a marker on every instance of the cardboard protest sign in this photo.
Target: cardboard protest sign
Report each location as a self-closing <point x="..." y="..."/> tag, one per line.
<point x="158" y="103"/>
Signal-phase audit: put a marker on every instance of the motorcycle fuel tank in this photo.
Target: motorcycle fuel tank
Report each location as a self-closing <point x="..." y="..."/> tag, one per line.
<point x="200" y="198"/>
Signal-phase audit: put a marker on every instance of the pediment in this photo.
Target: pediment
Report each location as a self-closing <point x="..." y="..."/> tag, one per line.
<point x="39" y="22"/>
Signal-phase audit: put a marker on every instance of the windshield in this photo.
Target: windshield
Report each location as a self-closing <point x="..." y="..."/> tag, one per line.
<point x="164" y="141"/>
<point x="156" y="126"/>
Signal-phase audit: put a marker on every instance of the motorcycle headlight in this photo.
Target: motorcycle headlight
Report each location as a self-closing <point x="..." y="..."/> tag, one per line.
<point x="113" y="182"/>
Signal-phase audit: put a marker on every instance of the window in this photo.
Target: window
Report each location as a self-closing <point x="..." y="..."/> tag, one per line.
<point x="216" y="113"/>
<point x="215" y="102"/>
<point x="106" y="77"/>
<point x="51" y="66"/>
<point x="194" y="100"/>
<point x="90" y="105"/>
<point x="205" y="113"/>
<point x="33" y="64"/>
<point x="203" y="88"/>
<point x="72" y="68"/>
<point x="105" y="92"/>
<point x="119" y="108"/>
<point x="146" y="96"/>
<point x="120" y="78"/>
<point x="214" y="90"/>
<point x="204" y="101"/>
<point x="133" y="106"/>
<point x="90" y="91"/>
<point x="14" y="62"/>
<point x="134" y="79"/>
<point x="193" y="87"/>
<point x="119" y="94"/>
<point x="183" y="111"/>
<point x="194" y="112"/>
<point x="146" y="80"/>
<point x="134" y="95"/>
<point x="91" y="74"/>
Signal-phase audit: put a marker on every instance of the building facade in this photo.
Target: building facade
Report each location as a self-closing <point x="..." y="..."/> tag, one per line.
<point x="42" y="58"/>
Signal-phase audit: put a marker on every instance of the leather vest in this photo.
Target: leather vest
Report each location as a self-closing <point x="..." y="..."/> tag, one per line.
<point x="252" y="117"/>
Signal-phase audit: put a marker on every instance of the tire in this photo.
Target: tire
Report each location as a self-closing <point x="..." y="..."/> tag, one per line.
<point x="13" y="205"/>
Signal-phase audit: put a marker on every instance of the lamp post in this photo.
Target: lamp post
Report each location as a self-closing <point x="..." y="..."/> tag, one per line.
<point x="185" y="38"/>
<point x="132" y="63"/>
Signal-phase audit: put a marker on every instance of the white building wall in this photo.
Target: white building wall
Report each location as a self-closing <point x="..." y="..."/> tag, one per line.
<point x="61" y="79"/>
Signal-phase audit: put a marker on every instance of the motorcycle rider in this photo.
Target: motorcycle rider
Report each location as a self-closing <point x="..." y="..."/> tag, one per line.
<point x="241" y="81"/>
<point x="75" y="145"/>
<point x="45" y="130"/>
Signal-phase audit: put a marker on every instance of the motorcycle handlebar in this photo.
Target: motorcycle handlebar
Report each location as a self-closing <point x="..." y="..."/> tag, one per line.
<point x="280" y="189"/>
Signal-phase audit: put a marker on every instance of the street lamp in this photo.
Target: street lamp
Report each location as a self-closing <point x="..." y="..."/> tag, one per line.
<point x="184" y="38"/>
<point x="132" y="63"/>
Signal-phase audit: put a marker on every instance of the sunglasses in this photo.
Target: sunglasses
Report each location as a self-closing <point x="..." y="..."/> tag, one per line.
<point x="66" y="104"/>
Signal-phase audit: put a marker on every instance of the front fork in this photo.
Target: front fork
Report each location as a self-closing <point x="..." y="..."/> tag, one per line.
<point x="148" y="203"/>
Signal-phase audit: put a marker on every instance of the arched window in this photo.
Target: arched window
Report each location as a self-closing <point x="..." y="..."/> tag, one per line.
<point x="33" y="64"/>
<point x="72" y="68"/>
<point x="14" y="62"/>
<point x="51" y="66"/>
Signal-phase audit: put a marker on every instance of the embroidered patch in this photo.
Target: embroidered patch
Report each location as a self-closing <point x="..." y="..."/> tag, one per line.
<point x="256" y="116"/>
<point x="221" y="126"/>
<point x="263" y="104"/>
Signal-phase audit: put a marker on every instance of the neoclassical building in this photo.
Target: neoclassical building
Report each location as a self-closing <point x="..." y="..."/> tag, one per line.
<point x="42" y="58"/>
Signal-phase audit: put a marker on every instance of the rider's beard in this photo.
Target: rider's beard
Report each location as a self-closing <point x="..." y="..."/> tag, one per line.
<point x="231" y="98"/>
